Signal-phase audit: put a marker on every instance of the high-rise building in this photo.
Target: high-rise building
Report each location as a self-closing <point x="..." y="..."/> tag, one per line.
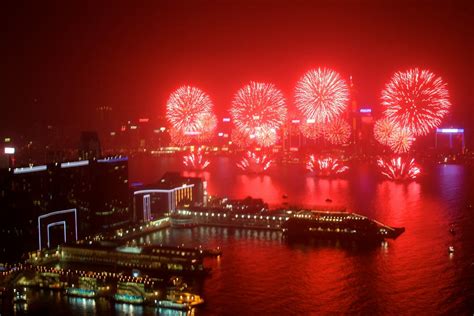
<point x="47" y="205"/>
<point x="89" y="146"/>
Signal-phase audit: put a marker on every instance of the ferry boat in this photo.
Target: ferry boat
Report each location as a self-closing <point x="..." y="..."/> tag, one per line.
<point x="180" y="301"/>
<point x="128" y="298"/>
<point x="338" y="225"/>
<point x="80" y="292"/>
<point x="19" y="295"/>
<point x="182" y="219"/>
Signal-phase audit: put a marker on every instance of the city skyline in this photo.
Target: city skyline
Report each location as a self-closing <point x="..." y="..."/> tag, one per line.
<point x="65" y="61"/>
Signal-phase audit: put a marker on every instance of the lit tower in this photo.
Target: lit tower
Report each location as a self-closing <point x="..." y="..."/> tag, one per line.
<point x="353" y="114"/>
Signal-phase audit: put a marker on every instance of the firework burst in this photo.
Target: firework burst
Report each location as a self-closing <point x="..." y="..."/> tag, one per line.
<point x="417" y="100"/>
<point x="326" y="166"/>
<point x="337" y="132"/>
<point x="196" y="161"/>
<point x="383" y="130"/>
<point x="178" y="138"/>
<point x="240" y="139"/>
<point x="311" y="130"/>
<point x="401" y="140"/>
<point x="189" y="111"/>
<point x="265" y="138"/>
<point x="398" y="168"/>
<point x="321" y="95"/>
<point x="259" y="109"/>
<point x="254" y="162"/>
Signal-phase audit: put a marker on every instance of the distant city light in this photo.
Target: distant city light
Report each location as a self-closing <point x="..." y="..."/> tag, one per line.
<point x="74" y="164"/>
<point x="365" y="110"/>
<point x="9" y="150"/>
<point x="295" y="121"/>
<point x="310" y="121"/>
<point x="220" y="134"/>
<point x="112" y="133"/>
<point x="113" y="159"/>
<point x="29" y="169"/>
<point x="226" y="119"/>
<point x="192" y="133"/>
<point x="450" y="130"/>
<point x="143" y="120"/>
<point x="133" y="127"/>
<point x="8" y="139"/>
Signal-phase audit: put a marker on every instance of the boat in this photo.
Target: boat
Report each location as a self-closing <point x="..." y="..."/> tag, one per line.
<point x="180" y="301"/>
<point x="328" y="200"/>
<point x="80" y="292"/>
<point x="19" y="295"/>
<point x="337" y="225"/>
<point x="213" y="252"/>
<point x="182" y="219"/>
<point x="128" y="298"/>
<point x="451" y="249"/>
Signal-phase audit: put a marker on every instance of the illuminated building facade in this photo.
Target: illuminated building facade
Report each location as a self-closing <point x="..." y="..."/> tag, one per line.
<point x="48" y="205"/>
<point x="170" y="193"/>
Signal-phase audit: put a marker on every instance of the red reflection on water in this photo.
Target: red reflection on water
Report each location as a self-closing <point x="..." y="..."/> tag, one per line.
<point x="317" y="191"/>
<point x="394" y="199"/>
<point x="258" y="186"/>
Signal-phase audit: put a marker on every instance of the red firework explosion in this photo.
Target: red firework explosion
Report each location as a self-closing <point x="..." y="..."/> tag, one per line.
<point x="399" y="168"/>
<point x="258" y="109"/>
<point x="189" y="110"/>
<point x="240" y="139"/>
<point x="196" y="161"/>
<point x="178" y="138"/>
<point x="417" y="100"/>
<point x="401" y="140"/>
<point x="311" y="129"/>
<point x="337" y="132"/>
<point x="321" y="95"/>
<point x="383" y="130"/>
<point x="254" y="162"/>
<point x="326" y="166"/>
<point x="209" y="124"/>
<point x="264" y="137"/>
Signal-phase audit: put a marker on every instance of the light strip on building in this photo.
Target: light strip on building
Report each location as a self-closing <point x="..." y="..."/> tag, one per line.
<point x="365" y="110"/>
<point x="9" y="150"/>
<point x="30" y="169"/>
<point x="163" y="190"/>
<point x="41" y="217"/>
<point x="74" y="164"/>
<point x="226" y="119"/>
<point x="112" y="160"/>
<point x="450" y="130"/>
<point x="63" y="223"/>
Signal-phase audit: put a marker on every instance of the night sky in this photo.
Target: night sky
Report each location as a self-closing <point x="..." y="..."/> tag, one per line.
<point x="59" y="62"/>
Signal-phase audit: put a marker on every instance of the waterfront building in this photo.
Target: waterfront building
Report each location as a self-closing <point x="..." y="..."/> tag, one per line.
<point x="47" y="205"/>
<point x="171" y="192"/>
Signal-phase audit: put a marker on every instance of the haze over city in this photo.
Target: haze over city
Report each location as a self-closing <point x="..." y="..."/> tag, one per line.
<point x="237" y="157"/>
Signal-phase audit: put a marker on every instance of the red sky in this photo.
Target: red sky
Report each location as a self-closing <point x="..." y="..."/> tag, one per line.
<point x="59" y="62"/>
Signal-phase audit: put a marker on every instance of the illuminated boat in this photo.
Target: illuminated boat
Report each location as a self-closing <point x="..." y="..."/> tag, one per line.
<point x="80" y="292"/>
<point x="128" y="298"/>
<point x="182" y="219"/>
<point x="337" y="225"/>
<point x="19" y="295"/>
<point x="180" y="301"/>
